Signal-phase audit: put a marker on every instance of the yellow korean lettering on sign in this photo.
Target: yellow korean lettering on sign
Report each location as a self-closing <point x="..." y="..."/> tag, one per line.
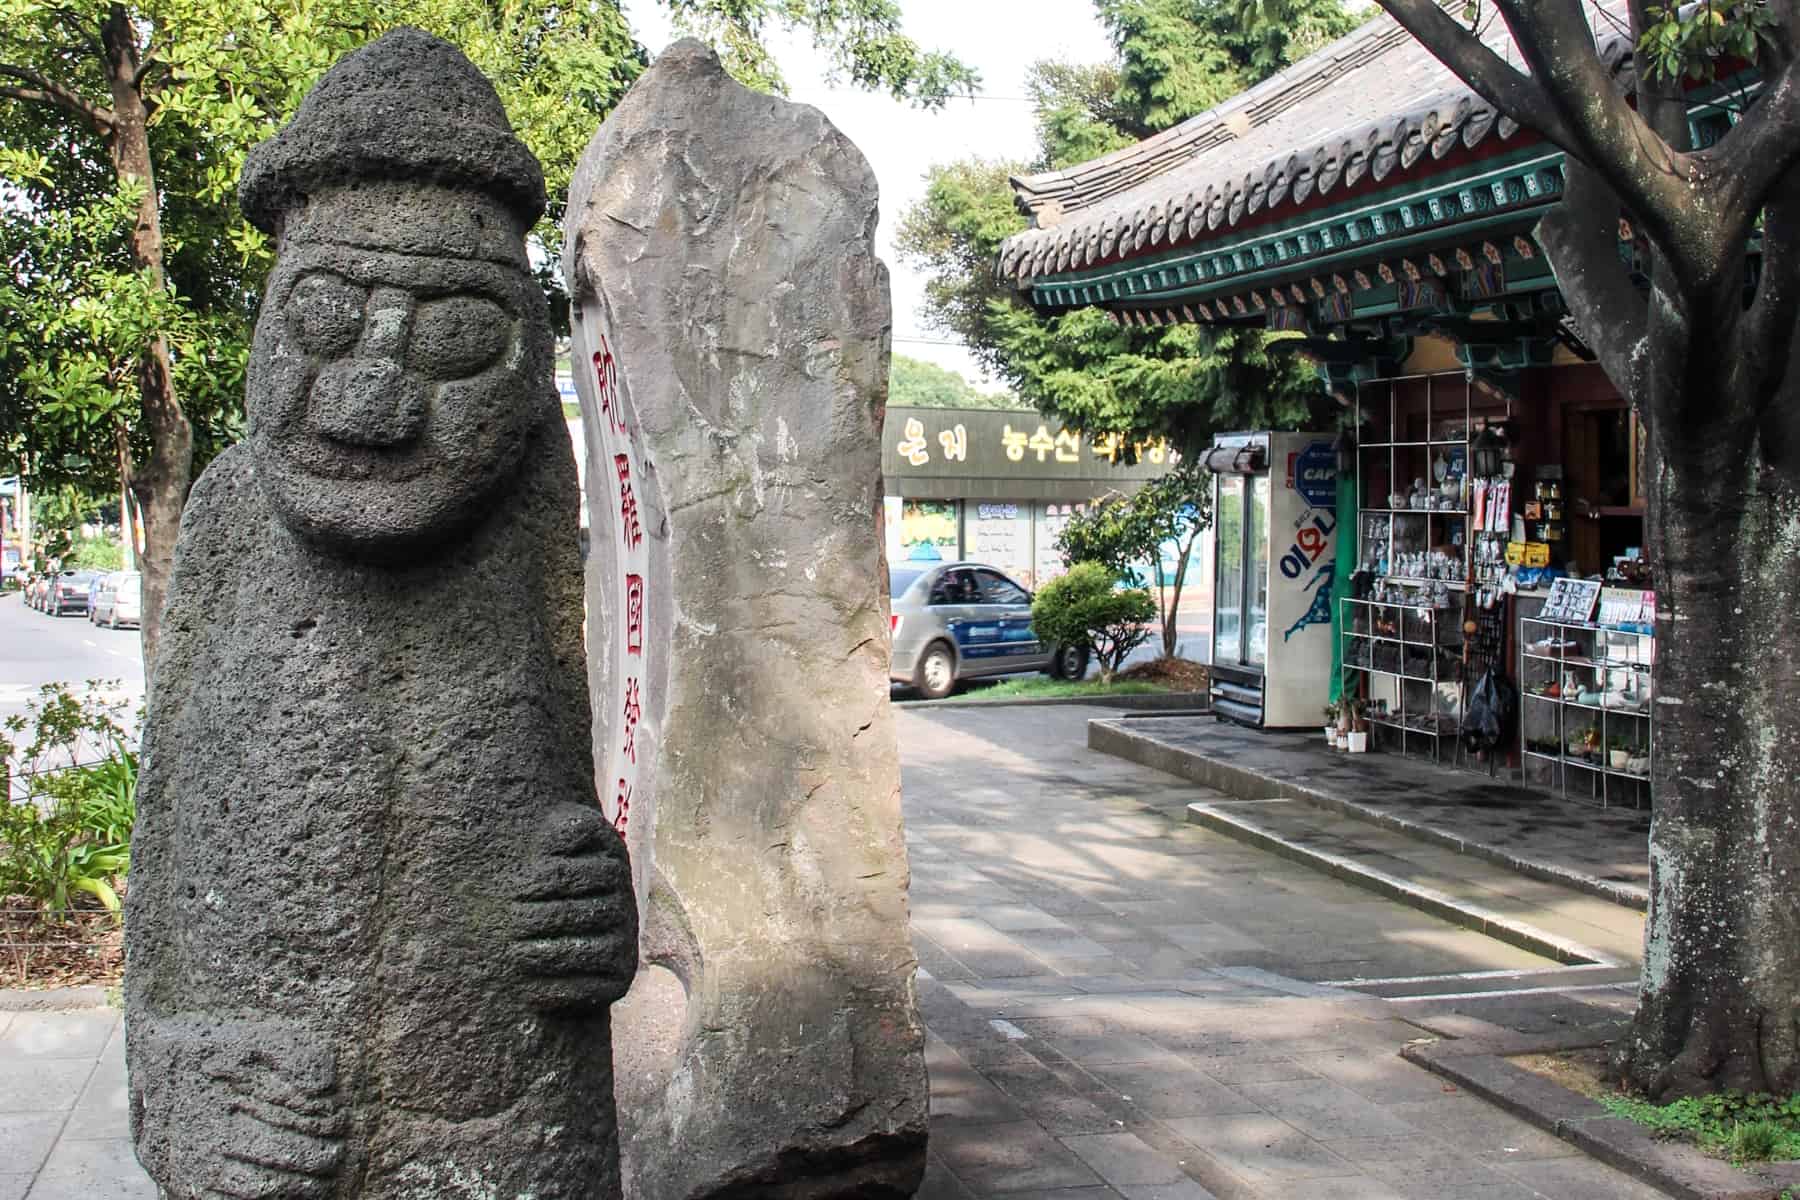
<point x="913" y="446"/>
<point x="1014" y="441"/>
<point x="955" y="442"/>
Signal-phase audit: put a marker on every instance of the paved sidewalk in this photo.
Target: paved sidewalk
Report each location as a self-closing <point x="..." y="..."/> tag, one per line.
<point x="63" y="1124"/>
<point x="1605" y="850"/>
<point x="1121" y="1006"/>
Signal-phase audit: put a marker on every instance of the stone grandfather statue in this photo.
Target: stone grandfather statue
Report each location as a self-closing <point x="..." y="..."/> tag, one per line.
<point x="376" y="916"/>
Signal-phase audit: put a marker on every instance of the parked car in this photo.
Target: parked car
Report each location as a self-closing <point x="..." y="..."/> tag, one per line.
<point x="68" y="593"/>
<point x="960" y="620"/>
<point x="119" y="600"/>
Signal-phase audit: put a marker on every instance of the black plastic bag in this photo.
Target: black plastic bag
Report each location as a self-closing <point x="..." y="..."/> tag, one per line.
<point x="1493" y="713"/>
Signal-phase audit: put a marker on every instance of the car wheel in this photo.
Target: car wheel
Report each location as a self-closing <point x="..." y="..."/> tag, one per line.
<point x="1071" y="662"/>
<point x="936" y="672"/>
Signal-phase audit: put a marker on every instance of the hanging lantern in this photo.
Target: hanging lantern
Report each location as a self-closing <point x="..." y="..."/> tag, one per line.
<point x="1487" y="455"/>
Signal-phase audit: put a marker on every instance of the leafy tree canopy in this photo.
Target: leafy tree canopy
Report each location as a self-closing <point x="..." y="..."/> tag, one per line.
<point x="220" y="77"/>
<point x="1176" y="58"/>
<point x="861" y="38"/>
<point x="916" y="383"/>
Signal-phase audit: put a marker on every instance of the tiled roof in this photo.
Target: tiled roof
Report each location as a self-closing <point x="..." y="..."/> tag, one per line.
<point x="1368" y="104"/>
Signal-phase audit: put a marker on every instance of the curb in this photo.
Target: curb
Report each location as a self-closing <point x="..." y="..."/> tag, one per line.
<point x="1427" y="900"/>
<point x="62" y="999"/>
<point x="1246" y="783"/>
<point x="1168" y="703"/>
<point x="1481" y="1067"/>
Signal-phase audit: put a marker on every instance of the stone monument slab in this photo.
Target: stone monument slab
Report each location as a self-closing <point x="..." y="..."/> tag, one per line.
<point x="731" y="347"/>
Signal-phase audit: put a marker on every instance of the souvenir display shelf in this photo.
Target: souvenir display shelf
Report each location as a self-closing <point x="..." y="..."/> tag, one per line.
<point x="1402" y="639"/>
<point x="1595" y="745"/>
<point x="1400" y="531"/>
<point x="1405" y="659"/>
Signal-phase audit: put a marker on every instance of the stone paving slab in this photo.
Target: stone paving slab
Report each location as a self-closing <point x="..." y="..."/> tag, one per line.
<point x="1603" y="851"/>
<point x="1209" y="1048"/>
<point x="1615" y="931"/>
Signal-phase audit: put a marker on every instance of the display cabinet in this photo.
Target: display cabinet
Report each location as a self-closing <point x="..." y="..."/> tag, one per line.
<point x="1412" y="484"/>
<point x="1585" y="722"/>
<point x="1406" y="661"/>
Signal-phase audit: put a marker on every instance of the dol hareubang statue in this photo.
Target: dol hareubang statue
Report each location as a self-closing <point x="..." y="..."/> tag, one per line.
<point x="376" y="916"/>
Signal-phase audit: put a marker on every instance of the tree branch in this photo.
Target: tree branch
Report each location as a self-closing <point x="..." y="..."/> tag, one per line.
<point x="1581" y="238"/>
<point x="46" y="91"/>
<point x="1761" y="148"/>
<point x="1655" y="181"/>
<point x="72" y="22"/>
<point x="1495" y="79"/>
<point x="1763" y="355"/>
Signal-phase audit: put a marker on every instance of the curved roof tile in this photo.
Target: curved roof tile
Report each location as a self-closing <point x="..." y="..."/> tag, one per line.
<point x="1369" y="104"/>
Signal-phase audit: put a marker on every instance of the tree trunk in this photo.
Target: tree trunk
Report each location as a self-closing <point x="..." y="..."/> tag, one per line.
<point x="160" y="483"/>
<point x="1181" y="566"/>
<point x="1720" y="1003"/>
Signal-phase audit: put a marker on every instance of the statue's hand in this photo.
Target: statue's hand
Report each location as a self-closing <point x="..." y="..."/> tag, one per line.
<point x="575" y="925"/>
<point x="246" y="1110"/>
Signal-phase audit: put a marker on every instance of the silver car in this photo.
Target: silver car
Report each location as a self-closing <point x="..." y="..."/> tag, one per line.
<point x="119" y="600"/>
<point x="961" y="620"/>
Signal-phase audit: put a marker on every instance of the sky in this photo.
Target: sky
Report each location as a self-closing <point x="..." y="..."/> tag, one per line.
<point x="1000" y="39"/>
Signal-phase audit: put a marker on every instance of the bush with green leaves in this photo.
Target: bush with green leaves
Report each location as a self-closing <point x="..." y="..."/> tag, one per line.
<point x="1085" y="607"/>
<point x="68" y="797"/>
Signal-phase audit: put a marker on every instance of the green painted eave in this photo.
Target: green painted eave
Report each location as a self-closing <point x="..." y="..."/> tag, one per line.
<point x="1498" y="196"/>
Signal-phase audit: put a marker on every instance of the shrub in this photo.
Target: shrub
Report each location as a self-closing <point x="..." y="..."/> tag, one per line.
<point x="65" y="829"/>
<point x="1084" y="608"/>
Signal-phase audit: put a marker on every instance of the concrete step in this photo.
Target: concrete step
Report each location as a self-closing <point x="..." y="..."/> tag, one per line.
<point x="1546" y="918"/>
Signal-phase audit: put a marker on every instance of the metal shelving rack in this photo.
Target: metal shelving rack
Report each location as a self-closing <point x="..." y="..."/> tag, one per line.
<point x="1446" y="419"/>
<point x="1602" y="656"/>
<point x="1399" y="649"/>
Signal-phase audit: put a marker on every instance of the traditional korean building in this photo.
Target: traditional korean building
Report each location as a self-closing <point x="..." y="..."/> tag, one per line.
<point x="1369" y="205"/>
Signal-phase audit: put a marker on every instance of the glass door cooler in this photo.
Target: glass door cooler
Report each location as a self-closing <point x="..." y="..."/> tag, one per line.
<point x="1275" y="520"/>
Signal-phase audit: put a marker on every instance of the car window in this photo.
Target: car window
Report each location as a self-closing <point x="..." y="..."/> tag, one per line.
<point x="956" y="586"/>
<point x="902" y="578"/>
<point x="998" y="589"/>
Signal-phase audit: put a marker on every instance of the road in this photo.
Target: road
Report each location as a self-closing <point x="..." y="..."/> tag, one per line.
<point x="36" y="649"/>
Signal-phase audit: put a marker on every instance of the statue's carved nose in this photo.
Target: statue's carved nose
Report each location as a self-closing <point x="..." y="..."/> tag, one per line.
<point x="368" y="402"/>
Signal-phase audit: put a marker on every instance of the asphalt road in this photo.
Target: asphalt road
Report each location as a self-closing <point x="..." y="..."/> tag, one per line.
<point x="36" y="649"/>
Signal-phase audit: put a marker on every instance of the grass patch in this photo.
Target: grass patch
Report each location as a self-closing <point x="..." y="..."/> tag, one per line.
<point x="1752" y="1128"/>
<point x="1057" y="689"/>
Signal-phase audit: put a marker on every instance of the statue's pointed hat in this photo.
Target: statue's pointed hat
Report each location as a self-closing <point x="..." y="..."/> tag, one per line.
<point x="408" y="106"/>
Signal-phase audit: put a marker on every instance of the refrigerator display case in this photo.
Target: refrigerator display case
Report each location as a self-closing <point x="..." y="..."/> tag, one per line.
<point x="1274" y="521"/>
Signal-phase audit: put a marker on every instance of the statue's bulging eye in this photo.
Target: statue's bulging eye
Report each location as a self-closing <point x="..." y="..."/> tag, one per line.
<point x="327" y="315"/>
<point x="457" y="336"/>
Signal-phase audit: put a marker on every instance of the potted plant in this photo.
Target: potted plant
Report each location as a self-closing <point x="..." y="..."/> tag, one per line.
<point x="1359" y="726"/>
<point x="1331" y="723"/>
<point x="1618" y="753"/>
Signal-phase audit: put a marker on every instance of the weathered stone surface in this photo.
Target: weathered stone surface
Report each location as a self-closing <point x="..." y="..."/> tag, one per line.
<point x="376" y="915"/>
<point x="733" y="332"/>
